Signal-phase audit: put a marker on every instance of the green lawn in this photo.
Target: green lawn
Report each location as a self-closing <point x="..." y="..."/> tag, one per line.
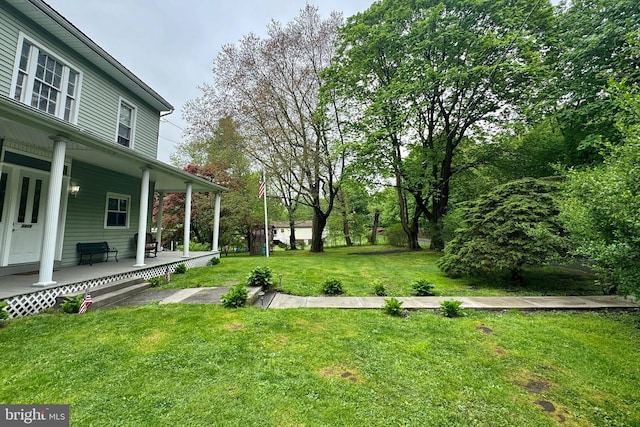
<point x="358" y="267"/>
<point x="203" y="365"/>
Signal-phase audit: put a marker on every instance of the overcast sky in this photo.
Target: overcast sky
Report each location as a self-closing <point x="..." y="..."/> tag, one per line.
<point x="171" y="44"/>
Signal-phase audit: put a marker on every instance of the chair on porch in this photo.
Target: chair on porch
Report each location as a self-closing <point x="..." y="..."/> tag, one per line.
<point x="150" y="244"/>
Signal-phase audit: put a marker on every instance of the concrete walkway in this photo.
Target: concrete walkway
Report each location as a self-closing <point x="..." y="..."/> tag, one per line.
<point x="282" y="301"/>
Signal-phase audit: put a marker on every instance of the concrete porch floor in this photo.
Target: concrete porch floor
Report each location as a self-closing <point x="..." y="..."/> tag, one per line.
<point x="21" y="284"/>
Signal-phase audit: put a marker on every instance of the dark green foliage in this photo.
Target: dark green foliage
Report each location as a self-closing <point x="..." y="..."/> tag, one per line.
<point x="284" y="246"/>
<point x="514" y="226"/>
<point x="180" y="269"/>
<point x="72" y="304"/>
<point x="593" y="47"/>
<point x="452" y="308"/>
<point x="419" y="77"/>
<point x="214" y="261"/>
<point x="423" y="288"/>
<point x="236" y="297"/>
<point x="332" y="287"/>
<point x="602" y="205"/>
<point x="393" y="307"/>
<point x="4" y="314"/>
<point x="260" y="276"/>
<point x="155" y="281"/>
<point x="379" y="289"/>
<point x="396" y="236"/>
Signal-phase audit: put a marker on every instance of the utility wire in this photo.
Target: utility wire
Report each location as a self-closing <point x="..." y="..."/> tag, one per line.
<point x="171" y="123"/>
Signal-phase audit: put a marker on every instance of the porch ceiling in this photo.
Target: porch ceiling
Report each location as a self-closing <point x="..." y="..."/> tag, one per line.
<point x="34" y="131"/>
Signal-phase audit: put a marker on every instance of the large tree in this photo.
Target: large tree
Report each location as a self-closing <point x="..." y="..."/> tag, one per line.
<point x="602" y="207"/>
<point x="421" y="78"/>
<point x="593" y="45"/>
<point x="216" y="152"/>
<point x="270" y="86"/>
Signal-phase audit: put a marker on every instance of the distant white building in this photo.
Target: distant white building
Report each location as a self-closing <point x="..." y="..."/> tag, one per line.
<point x="282" y="232"/>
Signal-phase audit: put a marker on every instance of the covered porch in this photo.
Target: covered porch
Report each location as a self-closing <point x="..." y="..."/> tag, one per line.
<point x="24" y="299"/>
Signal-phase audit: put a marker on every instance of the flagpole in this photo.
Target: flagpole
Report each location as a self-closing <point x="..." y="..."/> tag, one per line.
<point x="266" y="223"/>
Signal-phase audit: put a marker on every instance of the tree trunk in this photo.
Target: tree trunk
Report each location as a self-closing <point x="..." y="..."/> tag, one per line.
<point x="437" y="239"/>
<point x="292" y="230"/>
<point x="410" y="226"/>
<point x="413" y="231"/>
<point x="345" y="229"/>
<point x="319" y="222"/>
<point x="292" y="236"/>
<point x="345" y="217"/>
<point x="374" y="228"/>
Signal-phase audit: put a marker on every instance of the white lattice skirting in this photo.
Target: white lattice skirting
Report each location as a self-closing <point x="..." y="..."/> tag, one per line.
<point x="23" y="305"/>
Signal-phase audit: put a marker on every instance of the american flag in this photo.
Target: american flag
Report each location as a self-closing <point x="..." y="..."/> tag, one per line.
<point x="167" y="275"/>
<point x="86" y="302"/>
<point x="261" y="193"/>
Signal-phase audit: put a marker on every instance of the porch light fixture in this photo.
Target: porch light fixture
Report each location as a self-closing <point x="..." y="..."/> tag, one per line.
<point x="74" y="190"/>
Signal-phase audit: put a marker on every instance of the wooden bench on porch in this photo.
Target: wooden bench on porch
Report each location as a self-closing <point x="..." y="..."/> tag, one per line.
<point x="95" y="248"/>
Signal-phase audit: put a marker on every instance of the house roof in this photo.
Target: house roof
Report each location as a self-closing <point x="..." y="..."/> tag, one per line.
<point x="58" y="26"/>
<point x="297" y="224"/>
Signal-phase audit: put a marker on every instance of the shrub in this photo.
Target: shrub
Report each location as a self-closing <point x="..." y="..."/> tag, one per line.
<point x="4" y="314"/>
<point x="601" y="209"/>
<point x="199" y="247"/>
<point x="452" y="308"/>
<point x="332" y="287"/>
<point x="260" y="276"/>
<point x="196" y="247"/>
<point x="155" y="281"/>
<point x="72" y="304"/>
<point x="284" y="246"/>
<point x="423" y="288"/>
<point x="236" y="297"/>
<point x="511" y="227"/>
<point x="379" y="289"/>
<point x="393" y="307"/>
<point x="180" y="269"/>
<point x="396" y="236"/>
<point x="214" y="261"/>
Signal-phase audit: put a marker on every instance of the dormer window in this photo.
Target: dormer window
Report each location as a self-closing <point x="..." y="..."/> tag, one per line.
<point x="126" y="121"/>
<point x="44" y="81"/>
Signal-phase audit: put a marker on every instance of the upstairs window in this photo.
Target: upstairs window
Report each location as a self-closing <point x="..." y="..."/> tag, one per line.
<point x="126" y="119"/>
<point x="45" y="82"/>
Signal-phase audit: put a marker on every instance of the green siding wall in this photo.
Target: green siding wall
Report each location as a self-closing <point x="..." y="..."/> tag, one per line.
<point x="8" y="46"/>
<point x="100" y="95"/>
<point x="86" y="211"/>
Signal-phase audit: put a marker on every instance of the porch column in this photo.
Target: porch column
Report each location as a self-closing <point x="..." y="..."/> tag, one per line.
<point x="187" y="220"/>
<point x="142" y="220"/>
<point x="159" y="220"/>
<point x="52" y="214"/>
<point x="216" y="223"/>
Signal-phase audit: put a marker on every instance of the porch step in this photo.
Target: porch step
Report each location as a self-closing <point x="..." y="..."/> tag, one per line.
<point x="110" y="293"/>
<point x="112" y="298"/>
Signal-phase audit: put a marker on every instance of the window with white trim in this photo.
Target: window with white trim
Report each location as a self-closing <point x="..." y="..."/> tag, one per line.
<point x="45" y="82"/>
<point x="126" y="120"/>
<point x="117" y="211"/>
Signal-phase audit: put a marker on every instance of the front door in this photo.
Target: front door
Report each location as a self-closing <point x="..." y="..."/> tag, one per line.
<point x="26" y="238"/>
